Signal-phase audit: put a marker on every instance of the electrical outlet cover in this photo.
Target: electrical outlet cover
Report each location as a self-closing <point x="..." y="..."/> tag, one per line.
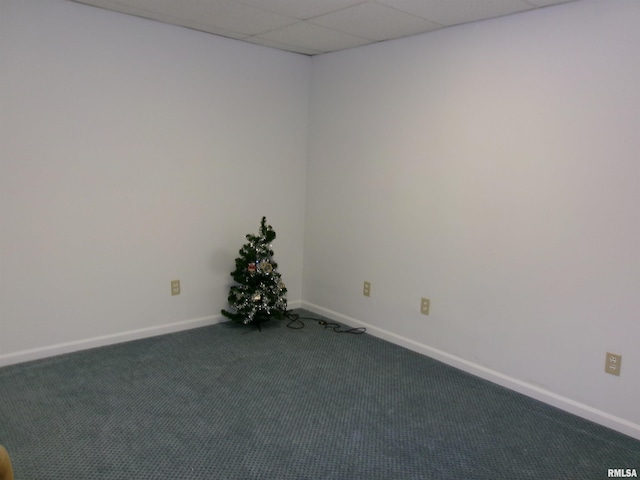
<point x="425" y="303"/>
<point x="613" y="363"/>
<point x="175" y="287"/>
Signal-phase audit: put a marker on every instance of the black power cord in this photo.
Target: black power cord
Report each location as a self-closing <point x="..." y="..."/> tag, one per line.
<point x="296" y="323"/>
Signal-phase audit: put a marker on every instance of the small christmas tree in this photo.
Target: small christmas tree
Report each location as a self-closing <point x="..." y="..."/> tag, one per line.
<point x="260" y="293"/>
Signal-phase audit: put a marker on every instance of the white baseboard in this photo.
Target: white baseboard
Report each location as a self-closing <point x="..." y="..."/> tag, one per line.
<point x="576" y="408"/>
<point x="585" y="411"/>
<point x="101" y="341"/>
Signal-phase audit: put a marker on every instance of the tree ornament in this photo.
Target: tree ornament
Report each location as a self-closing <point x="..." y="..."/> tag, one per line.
<point x="259" y="293"/>
<point x="266" y="267"/>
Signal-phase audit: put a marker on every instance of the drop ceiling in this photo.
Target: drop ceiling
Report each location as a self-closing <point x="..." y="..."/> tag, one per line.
<point x="311" y="27"/>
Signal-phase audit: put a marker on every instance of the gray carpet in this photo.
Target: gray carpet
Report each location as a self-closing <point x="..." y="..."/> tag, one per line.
<point x="231" y="402"/>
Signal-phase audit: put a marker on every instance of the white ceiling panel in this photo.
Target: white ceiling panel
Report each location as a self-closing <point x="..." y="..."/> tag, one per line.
<point x="281" y="46"/>
<point x="311" y="27"/>
<point x="302" y="9"/>
<point x="546" y="3"/>
<point x="375" y="21"/>
<point x="234" y="16"/>
<point x="447" y="13"/>
<point x="316" y="37"/>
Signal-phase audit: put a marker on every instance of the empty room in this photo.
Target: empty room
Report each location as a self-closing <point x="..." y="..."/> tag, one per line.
<point x="455" y="188"/>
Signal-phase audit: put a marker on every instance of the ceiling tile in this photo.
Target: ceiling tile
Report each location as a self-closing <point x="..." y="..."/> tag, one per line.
<point x="315" y="37"/>
<point x="375" y="21"/>
<point x="546" y="3"/>
<point x="447" y="12"/>
<point x="235" y="16"/>
<point x="219" y="16"/>
<point x="193" y="25"/>
<point x="302" y="9"/>
<point x="281" y="46"/>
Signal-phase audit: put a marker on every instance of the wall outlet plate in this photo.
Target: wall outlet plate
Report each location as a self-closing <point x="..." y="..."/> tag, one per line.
<point x="613" y="363"/>
<point x="366" y="290"/>
<point x="425" y="303"/>
<point x="175" y="287"/>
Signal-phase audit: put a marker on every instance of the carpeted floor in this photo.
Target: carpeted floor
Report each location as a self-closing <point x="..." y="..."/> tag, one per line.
<point x="231" y="402"/>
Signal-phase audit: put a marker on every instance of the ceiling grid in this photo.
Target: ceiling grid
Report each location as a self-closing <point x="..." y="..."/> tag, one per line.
<point x="312" y="27"/>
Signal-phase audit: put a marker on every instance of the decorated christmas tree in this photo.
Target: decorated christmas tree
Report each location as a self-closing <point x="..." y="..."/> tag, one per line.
<point x="259" y="293"/>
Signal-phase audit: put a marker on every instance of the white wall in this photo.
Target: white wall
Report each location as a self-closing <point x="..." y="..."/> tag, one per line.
<point x="134" y="153"/>
<point x="493" y="168"/>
